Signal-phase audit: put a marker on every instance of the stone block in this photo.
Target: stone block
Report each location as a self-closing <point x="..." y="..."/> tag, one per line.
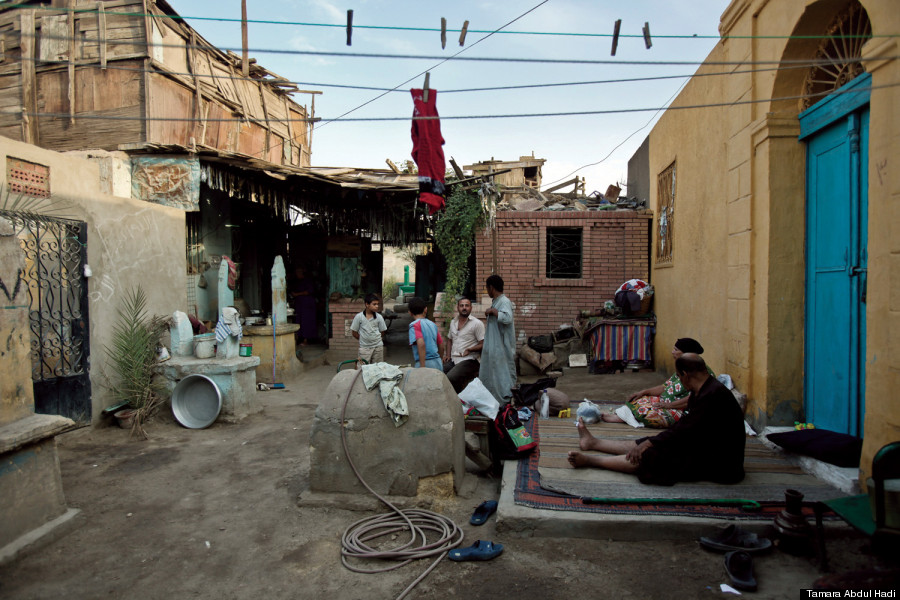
<point x="235" y="378"/>
<point x="391" y="459"/>
<point x="279" y="292"/>
<point x="181" y="335"/>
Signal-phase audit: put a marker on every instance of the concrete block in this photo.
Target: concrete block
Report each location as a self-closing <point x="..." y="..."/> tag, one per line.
<point x="279" y="292"/>
<point x="31" y="491"/>
<point x="235" y="378"/>
<point x="391" y="459"/>
<point x="181" y="335"/>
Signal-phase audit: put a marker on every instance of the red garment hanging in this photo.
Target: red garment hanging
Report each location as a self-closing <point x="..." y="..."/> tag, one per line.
<point x="428" y="151"/>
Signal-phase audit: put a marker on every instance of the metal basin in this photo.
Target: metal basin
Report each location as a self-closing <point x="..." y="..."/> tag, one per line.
<point x="196" y="401"/>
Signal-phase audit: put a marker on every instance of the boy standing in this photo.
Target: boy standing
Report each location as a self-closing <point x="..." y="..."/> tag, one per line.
<point x="368" y="327"/>
<point x="424" y="337"/>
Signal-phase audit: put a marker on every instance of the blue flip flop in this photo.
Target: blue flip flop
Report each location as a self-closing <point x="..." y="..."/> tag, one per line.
<point x="484" y="510"/>
<point x="480" y="550"/>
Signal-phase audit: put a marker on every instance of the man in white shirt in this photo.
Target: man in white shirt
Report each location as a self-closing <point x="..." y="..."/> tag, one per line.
<point x="461" y="356"/>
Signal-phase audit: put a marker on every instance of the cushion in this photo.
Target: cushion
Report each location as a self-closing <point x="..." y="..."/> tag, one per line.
<point x="832" y="447"/>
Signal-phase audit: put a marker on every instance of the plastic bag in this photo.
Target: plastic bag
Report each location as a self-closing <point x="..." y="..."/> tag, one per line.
<point x="588" y="411"/>
<point x="477" y="396"/>
<point x="545" y="405"/>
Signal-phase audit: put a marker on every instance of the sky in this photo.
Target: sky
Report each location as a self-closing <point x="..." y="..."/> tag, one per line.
<point x="566" y="142"/>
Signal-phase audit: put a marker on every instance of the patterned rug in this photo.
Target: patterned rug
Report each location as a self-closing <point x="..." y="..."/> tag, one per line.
<point x="546" y="480"/>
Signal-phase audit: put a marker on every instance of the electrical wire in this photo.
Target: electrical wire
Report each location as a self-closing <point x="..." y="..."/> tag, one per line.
<point x="467" y="117"/>
<point x="287" y="82"/>
<point x="414" y="77"/>
<point x="457" y="57"/>
<point x="622" y="143"/>
<point x="435" y="29"/>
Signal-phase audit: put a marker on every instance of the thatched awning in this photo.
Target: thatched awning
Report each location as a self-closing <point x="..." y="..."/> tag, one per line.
<point x="373" y="203"/>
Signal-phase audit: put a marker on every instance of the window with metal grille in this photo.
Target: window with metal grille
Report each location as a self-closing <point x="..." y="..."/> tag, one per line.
<point x="564" y="252"/>
<point x="665" y="220"/>
<point x="27" y="178"/>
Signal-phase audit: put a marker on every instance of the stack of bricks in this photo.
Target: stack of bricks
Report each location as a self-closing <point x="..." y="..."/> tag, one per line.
<point x="615" y="248"/>
<point x="342" y="313"/>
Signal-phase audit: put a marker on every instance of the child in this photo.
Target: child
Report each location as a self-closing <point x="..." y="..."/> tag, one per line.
<point x="368" y="327"/>
<point x="424" y="337"/>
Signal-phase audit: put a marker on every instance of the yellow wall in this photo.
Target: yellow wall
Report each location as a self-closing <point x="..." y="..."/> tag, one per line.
<point x="129" y="243"/>
<point x="736" y="281"/>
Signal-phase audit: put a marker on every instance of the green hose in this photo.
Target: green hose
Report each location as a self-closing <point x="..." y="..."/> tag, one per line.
<point x="749" y="505"/>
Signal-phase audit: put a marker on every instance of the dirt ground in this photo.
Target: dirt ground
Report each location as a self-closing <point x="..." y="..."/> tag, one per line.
<point x="213" y="514"/>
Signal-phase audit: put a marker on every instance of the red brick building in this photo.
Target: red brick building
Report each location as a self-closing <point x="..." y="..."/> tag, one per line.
<point x="557" y="263"/>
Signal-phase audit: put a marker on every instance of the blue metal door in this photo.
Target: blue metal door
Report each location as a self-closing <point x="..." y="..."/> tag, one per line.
<point x="836" y="131"/>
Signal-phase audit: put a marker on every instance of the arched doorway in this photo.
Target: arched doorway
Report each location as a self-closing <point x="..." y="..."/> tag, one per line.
<point x="834" y="125"/>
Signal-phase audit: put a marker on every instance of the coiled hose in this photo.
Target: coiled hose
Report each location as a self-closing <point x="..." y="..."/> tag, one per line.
<point x="356" y="539"/>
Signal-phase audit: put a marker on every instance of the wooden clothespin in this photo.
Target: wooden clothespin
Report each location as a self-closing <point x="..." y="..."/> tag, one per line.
<point x="615" y="40"/>
<point x="462" y="33"/>
<point x="425" y="89"/>
<point x="443" y="33"/>
<point x="646" y="31"/>
<point x="349" y="27"/>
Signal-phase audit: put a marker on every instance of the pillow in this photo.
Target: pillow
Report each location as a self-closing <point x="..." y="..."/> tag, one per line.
<point x="832" y="447"/>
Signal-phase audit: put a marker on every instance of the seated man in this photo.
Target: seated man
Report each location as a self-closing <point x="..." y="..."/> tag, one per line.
<point x="706" y="444"/>
<point x="461" y="357"/>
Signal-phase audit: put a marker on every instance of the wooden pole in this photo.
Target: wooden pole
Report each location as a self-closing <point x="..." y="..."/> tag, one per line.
<point x="245" y="56"/>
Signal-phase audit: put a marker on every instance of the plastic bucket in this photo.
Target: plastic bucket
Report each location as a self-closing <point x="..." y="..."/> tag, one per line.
<point x="205" y="345"/>
<point x="246" y="350"/>
<point x="196" y="401"/>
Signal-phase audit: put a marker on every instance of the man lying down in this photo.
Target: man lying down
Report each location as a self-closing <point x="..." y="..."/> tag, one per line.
<point x="707" y="444"/>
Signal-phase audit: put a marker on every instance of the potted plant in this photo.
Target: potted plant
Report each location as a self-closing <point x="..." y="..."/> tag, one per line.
<point x="134" y="357"/>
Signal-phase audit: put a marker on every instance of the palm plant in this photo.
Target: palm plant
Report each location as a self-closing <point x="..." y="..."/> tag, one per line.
<point x="134" y="357"/>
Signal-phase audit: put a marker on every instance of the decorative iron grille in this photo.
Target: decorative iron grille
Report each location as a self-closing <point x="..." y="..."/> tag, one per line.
<point x="564" y="252"/>
<point x="839" y="54"/>
<point x="54" y="261"/>
<point x="665" y="221"/>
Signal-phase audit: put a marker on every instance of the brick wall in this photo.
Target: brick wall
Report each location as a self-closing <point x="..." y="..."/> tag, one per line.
<point x="342" y="313"/>
<point x="615" y="248"/>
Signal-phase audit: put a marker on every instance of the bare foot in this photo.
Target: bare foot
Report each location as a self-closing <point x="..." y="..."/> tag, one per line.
<point x="578" y="460"/>
<point x="586" y="441"/>
<point x="611" y="418"/>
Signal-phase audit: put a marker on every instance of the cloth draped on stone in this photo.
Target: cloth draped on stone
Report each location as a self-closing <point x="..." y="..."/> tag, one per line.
<point x="386" y="377"/>
<point x="498" y="356"/>
<point x="229" y="324"/>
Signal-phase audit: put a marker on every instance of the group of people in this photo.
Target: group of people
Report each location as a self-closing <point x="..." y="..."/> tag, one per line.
<point x="476" y="349"/>
<point x="703" y="437"/>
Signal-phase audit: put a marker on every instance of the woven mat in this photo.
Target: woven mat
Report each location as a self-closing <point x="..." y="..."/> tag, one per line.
<point x="546" y="480"/>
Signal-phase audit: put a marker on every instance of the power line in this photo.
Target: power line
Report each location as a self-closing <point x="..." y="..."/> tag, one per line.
<point x="501" y="59"/>
<point x="478" y="41"/>
<point x="451" y="30"/>
<point x="467" y="117"/>
<point x="287" y="82"/>
<point x="622" y="143"/>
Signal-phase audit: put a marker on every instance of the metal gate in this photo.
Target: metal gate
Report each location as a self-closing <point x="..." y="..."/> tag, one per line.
<point x="55" y="254"/>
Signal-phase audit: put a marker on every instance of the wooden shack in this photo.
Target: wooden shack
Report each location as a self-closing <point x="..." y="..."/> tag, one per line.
<point x="78" y="74"/>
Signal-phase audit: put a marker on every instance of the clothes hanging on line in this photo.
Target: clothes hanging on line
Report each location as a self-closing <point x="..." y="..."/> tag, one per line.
<point x="428" y="151"/>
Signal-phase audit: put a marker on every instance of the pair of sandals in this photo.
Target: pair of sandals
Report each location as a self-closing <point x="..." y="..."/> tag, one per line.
<point x="480" y="550"/>
<point x="738" y="545"/>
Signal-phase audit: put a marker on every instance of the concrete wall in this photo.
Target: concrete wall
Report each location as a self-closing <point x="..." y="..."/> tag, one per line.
<point x="736" y="281"/>
<point x="614" y="249"/>
<point x="639" y="173"/>
<point x="130" y="243"/>
<point x="16" y="392"/>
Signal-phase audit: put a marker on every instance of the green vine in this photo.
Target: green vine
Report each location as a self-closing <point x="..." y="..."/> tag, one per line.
<point x="454" y="234"/>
